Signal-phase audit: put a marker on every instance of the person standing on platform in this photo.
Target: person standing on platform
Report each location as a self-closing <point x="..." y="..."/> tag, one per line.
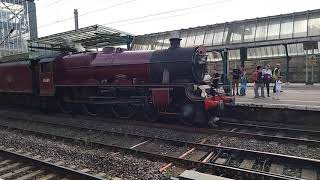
<point x="267" y="76"/>
<point x="236" y="74"/>
<point x="243" y="82"/>
<point x="278" y="87"/>
<point x="275" y="75"/>
<point x="258" y="82"/>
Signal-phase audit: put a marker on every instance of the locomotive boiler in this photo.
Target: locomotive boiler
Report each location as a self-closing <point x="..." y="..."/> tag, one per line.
<point x="159" y="82"/>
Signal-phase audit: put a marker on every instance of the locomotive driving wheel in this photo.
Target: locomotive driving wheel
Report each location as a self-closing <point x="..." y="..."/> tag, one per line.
<point x="64" y="106"/>
<point x="150" y="113"/>
<point x="124" y="111"/>
<point x="91" y="109"/>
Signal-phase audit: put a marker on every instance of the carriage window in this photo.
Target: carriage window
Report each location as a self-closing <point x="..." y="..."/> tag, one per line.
<point x="46" y="67"/>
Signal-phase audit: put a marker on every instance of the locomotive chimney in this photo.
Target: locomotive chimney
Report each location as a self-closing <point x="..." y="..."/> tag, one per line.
<point x="174" y="43"/>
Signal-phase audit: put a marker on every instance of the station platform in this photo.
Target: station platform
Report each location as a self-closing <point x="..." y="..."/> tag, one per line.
<point x="294" y="96"/>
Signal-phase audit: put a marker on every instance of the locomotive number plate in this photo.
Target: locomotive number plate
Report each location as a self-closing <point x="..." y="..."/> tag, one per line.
<point x="46" y="80"/>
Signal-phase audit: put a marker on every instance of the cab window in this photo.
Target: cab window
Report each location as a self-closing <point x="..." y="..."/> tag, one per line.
<point x="46" y="67"/>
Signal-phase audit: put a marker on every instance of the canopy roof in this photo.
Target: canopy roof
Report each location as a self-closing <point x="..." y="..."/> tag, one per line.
<point x="89" y="37"/>
<point x="264" y="37"/>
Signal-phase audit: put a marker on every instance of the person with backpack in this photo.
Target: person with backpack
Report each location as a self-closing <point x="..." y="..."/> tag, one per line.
<point x="258" y="82"/>
<point x="267" y="76"/>
<point x="276" y="73"/>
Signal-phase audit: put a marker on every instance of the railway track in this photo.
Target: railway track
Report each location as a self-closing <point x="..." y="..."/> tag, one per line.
<point x="16" y="164"/>
<point x="215" y="159"/>
<point x="269" y="133"/>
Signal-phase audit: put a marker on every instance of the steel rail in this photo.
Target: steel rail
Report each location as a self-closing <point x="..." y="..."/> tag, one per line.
<point x="265" y="137"/>
<point x="68" y="172"/>
<point x="190" y="163"/>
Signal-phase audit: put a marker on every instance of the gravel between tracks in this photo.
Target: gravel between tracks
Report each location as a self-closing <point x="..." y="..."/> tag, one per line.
<point x="115" y="164"/>
<point x="237" y="142"/>
<point x="245" y="143"/>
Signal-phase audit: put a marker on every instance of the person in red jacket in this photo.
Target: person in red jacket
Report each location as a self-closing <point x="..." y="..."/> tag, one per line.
<point x="258" y="80"/>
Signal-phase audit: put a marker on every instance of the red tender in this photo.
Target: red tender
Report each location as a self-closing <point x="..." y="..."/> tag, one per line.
<point x="16" y="77"/>
<point x="95" y="68"/>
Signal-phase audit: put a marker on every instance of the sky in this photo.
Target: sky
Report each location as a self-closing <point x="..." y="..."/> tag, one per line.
<point x="151" y="16"/>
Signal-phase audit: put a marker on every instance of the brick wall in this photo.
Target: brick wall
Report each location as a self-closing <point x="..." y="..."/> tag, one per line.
<point x="297" y="68"/>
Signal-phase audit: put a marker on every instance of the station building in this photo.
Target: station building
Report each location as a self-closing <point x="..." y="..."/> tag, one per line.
<point x="18" y="23"/>
<point x="289" y="39"/>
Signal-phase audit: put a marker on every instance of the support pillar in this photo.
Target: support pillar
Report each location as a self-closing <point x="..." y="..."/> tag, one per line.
<point x="288" y="58"/>
<point x="32" y="17"/>
<point x="307" y="73"/>
<point x="129" y="41"/>
<point x="225" y="80"/>
<point x="224" y="55"/>
<point x="76" y="19"/>
<point x="243" y="56"/>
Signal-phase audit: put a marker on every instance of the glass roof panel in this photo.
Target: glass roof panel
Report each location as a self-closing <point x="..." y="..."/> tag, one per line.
<point x="158" y="44"/>
<point x="314" y="24"/>
<point x="275" y="50"/>
<point x="249" y="31"/>
<point x="218" y="35"/>
<point x="231" y="54"/>
<point x="199" y="37"/>
<point x="183" y="36"/>
<point x="191" y="37"/>
<point x="269" y="51"/>
<point x="259" y="53"/>
<point x="210" y="56"/>
<point x="264" y="52"/>
<point x="300" y="26"/>
<point x="153" y="39"/>
<point x="300" y="50"/>
<point x="237" y="53"/>
<point x="273" y="29"/>
<point x="286" y="27"/>
<point x="208" y="37"/>
<point x="137" y="43"/>
<point x="292" y="48"/>
<point x="282" y="50"/>
<point x="215" y="56"/>
<point x="226" y="35"/>
<point x="261" y="31"/>
<point x="166" y="42"/>
<point x="251" y="53"/>
<point x="145" y="43"/>
<point x="237" y="33"/>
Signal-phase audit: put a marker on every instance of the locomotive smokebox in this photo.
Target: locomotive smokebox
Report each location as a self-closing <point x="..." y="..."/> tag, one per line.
<point x="177" y="64"/>
<point x="174" y="43"/>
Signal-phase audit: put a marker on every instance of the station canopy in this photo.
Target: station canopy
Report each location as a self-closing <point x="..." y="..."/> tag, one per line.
<point x="95" y="36"/>
<point x="264" y="37"/>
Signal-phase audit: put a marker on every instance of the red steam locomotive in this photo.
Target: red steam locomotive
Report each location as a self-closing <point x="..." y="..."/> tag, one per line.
<point x="158" y="82"/>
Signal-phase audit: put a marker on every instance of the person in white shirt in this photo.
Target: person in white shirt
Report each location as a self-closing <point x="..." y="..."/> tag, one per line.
<point x="278" y="87"/>
<point x="267" y="76"/>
